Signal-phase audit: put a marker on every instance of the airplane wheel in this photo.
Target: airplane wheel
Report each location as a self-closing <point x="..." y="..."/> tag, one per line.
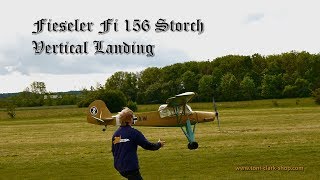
<point x="193" y="145"/>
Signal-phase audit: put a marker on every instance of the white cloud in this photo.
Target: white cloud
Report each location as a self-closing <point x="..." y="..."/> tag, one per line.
<point x="256" y="17"/>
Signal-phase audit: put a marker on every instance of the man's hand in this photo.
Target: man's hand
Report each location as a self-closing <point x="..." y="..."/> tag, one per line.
<point x="161" y="142"/>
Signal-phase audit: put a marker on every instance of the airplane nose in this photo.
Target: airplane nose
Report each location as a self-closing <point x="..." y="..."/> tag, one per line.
<point x="208" y="119"/>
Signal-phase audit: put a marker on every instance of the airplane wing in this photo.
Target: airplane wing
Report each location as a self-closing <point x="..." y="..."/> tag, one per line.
<point x="180" y="99"/>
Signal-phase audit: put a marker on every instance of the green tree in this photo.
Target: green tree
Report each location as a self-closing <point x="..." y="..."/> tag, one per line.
<point x="172" y="72"/>
<point x="38" y="87"/>
<point x="28" y="99"/>
<point x="206" y="87"/>
<point x="290" y="91"/>
<point x="170" y="88"/>
<point x="190" y="81"/>
<point x="114" y="99"/>
<point x="299" y="89"/>
<point x="303" y="87"/>
<point x="148" y="76"/>
<point x="216" y="81"/>
<point x="272" y="86"/>
<point x="229" y="87"/>
<point x="248" y="88"/>
<point x="125" y="82"/>
<point x="153" y="94"/>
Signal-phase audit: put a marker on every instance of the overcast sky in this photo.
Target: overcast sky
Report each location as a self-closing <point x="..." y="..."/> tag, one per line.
<point x="241" y="27"/>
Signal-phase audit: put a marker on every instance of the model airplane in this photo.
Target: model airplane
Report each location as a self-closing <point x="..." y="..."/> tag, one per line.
<point x="175" y="113"/>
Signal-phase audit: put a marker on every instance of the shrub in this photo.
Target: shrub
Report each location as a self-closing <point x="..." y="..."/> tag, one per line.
<point x="114" y="99"/>
<point x="11" y="110"/>
<point x="316" y="95"/>
<point x="132" y="105"/>
<point x="275" y="103"/>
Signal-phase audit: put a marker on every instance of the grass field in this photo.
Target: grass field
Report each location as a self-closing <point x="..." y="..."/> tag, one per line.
<point x="273" y="139"/>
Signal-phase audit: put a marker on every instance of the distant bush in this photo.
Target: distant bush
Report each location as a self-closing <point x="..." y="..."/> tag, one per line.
<point x="11" y="110"/>
<point x="132" y="105"/>
<point x="275" y="103"/>
<point x="114" y="99"/>
<point x="85" y="102"/>
<point x="316" y="95"/>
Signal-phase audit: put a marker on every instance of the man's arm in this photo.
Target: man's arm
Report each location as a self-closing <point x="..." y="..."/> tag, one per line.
<point x="145" y="144"/>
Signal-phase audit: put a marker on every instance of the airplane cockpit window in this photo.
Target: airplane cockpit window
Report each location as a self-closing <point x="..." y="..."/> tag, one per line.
<point x="166" y="111"/>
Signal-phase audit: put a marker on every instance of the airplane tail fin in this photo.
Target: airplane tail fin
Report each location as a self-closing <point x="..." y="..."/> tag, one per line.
<point x="98" y="113"/>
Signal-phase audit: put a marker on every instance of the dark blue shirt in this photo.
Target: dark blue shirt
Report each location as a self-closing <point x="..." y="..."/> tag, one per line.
<point x="125" y="142"/>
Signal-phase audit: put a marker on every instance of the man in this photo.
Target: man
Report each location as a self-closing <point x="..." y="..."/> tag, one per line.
<point x="125" y="142"/>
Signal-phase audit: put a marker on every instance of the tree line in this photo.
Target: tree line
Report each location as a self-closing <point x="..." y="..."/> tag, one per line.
<point x="228" y="78"/>
<point x="37" y="95"/>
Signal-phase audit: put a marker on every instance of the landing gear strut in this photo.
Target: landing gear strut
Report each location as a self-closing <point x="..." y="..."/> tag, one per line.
<point x="189" y="132"/>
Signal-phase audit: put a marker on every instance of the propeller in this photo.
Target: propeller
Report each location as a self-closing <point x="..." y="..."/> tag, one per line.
<point x="217" y="113"/>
